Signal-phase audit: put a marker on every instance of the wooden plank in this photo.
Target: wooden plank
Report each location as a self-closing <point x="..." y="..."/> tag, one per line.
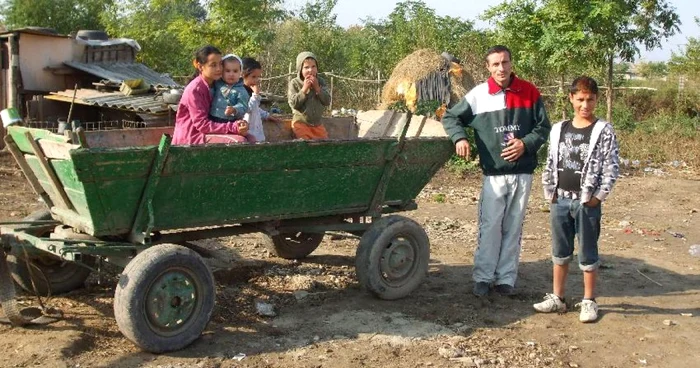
<point x="56" y="150"/>
<point x="126" y="138"/>
<point x="27" y="171"/>
<point x="49" y="172"/>
<point x="420" y="127"/>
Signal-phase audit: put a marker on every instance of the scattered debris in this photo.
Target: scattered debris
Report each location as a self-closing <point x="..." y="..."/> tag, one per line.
<point x="643" y="361"/>
<point x="651" y="170"/>
<point x="648" y="278"/>
<point x="466" y="361"/>
<point x="300" y="294"/>
<point x="676" y="235"/>
<point x="239" y="357"/>
<point x="686" y="314"/>
<point x="450" y="352"/>
<point x="669" y="322"/>
<point x="265" y="309"/>
<point x="694" y="250"/>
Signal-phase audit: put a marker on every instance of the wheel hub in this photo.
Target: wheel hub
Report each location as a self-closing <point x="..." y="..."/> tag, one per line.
<point x="397" y="260"/>
<point x="171" y="301"/>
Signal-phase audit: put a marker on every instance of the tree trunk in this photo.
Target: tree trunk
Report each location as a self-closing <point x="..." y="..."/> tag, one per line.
<point x="608" y="116"/>
<point x="566" y="94"/>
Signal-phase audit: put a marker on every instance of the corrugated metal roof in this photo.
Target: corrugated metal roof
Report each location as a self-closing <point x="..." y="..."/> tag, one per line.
<point x="119" y="72"/>
<point x="148" y="103"/>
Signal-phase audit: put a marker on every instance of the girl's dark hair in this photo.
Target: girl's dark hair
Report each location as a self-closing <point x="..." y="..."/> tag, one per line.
<point x="201" y="56"/>
<point x="250" y="64"/>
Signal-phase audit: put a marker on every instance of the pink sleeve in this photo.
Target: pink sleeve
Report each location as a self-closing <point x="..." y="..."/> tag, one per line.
<point x="198" y="105"/>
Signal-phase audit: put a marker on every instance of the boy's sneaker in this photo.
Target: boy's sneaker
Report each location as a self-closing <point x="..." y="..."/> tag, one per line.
<point x="589" y="311"/>
<point x="481" y="289"/>
<point x="551" y="304"/>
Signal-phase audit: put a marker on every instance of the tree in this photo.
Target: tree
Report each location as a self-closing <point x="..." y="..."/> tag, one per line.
<point x="412" y="25"/>
<point x="65" y="16"/>
<point x="652" y="69"/>
<point x="687" y="62"/>
<point x="165" y="29"/>
<point x="243" y="26"/>
<point x="569" y="34"/>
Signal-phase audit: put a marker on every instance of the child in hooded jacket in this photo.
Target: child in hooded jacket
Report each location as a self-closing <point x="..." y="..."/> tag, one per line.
<point x="308" y="97"/>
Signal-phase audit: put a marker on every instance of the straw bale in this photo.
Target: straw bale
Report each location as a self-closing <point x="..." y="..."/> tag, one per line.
<point x="419" y="65"/>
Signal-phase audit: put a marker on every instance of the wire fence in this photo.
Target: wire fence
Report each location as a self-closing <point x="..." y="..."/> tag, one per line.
<point x="347" y="92"/>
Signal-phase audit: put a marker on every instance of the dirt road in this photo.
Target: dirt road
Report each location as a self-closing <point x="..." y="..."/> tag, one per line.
<point x="649" y="285"/>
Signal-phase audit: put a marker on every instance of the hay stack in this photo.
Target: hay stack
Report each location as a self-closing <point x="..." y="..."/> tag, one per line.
<point x="421" y="65"/>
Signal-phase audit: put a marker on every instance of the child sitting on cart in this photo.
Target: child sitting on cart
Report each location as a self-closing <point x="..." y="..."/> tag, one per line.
<point x="231" y="98"/>
<point x="252" y="74"/>
<point x="192" y="122"/>
<point x="308" y="97"/>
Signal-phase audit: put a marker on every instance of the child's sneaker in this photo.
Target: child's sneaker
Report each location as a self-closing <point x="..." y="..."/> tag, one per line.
<point x="589" y="311"/>
<point x="551" y="304"/>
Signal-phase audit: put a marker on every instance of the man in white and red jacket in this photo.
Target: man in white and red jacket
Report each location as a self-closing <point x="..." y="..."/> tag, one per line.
<point x="510" y="124"/>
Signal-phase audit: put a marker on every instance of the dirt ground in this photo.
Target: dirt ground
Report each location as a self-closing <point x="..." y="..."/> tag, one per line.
<point x="649" y="296"/>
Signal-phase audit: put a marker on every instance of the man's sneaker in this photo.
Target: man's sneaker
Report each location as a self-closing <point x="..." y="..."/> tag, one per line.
<point x="551" y="304"/>
<point x="481" y="289"/>
<point x="589" y="311"/>
<point x="504" y="289"/>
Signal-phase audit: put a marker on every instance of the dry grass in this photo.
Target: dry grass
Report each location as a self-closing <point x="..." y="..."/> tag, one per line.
<point x="661" y="147"/>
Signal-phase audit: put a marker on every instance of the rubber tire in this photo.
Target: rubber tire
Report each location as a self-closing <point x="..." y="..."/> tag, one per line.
<point x="135" y="283"/>
<point x="370" y="251"/>
<point x="293" y="246"/>
<point x="63" y="276"/>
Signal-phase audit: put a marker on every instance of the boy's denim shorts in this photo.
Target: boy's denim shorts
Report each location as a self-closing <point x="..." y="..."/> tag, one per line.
<point x="570" y="218"/>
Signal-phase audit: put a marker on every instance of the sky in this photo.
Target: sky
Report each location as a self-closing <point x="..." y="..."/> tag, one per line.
<point x="351" y="12"/>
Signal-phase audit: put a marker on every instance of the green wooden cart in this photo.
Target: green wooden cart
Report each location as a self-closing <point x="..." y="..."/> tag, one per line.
<point x="129" y="198"/>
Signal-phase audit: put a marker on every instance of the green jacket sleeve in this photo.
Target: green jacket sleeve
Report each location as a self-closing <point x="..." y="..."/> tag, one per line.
<point x="540" y="132"/>
<point x="456" y="119"/>
<point x="295" y="97"/>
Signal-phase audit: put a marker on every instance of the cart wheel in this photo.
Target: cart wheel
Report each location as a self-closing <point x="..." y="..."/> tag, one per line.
<point x="164" y="298"/>
<point x="293" y="245"/>
<point x="392" y="258"/>
<point x="62" y="276"/>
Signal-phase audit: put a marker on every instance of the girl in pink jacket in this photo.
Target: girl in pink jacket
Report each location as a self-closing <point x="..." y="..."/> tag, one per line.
<point x="192" y="123"/>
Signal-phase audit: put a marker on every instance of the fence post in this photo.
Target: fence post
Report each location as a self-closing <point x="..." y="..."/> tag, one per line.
<point x="379" y="86"/>
<point x="331" y="104"/>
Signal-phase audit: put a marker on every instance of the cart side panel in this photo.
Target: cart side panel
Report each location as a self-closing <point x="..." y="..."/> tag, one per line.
<point x="114" y="180"/>
<point x="222" y="184"/>
<point x="60" y="165"/>
<point x="419" y="161"/>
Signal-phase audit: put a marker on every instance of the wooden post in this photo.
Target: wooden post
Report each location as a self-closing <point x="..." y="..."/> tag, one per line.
<point x="379" y="86"/>
<point x="563" y="91"/>
<point x="331" y="104"/>
<point x="13" y="75"/>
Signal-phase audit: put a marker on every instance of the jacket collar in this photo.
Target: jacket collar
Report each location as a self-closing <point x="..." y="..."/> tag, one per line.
<point x="514" y="86"/>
